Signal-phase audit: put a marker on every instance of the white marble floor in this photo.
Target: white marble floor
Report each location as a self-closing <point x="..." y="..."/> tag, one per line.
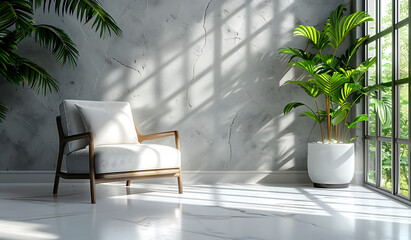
<point x="150" y="211"/>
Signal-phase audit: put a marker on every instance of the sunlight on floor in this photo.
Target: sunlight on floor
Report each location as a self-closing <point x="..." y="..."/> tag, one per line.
<point x="227" y="211"/>
<point x="24" y="230"/>
<point x="296" y="200"/>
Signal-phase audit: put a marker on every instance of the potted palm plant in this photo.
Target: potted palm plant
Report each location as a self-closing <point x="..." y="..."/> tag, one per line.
<point x="332" y="76"/>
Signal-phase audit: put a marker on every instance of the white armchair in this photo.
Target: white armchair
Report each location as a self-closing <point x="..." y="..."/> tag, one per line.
<point x="100" y="142"/>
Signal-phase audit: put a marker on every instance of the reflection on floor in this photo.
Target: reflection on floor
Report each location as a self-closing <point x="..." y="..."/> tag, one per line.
<point x="151" y="211"/>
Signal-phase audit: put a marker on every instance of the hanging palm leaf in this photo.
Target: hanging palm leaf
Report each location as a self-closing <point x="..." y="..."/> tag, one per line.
<point x="58" y="42"/>
<point x="3" y="111"/>
<point x="37" y="77"/>
<point x="17" y="13"/>
<point x="17" y="23"/>
<point x="85" y="11"/>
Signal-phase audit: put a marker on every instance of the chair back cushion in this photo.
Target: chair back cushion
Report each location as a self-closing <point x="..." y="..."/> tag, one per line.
<point x="97" y="115"/>
<point x="110" y="125"/>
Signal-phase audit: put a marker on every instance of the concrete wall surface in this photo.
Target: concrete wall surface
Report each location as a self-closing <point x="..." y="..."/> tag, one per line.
<point x="208" y="68"/>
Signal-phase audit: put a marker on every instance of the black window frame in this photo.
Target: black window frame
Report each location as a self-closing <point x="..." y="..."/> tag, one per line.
<point x="395" y="139"/>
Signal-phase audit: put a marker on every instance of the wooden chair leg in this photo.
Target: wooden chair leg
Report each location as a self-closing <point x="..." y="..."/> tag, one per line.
<point x="58" y="168"/>
<point x="128" y="183"/>
<point x="92" y="169"/>
<point x="180" y="185"/>
<point x="93" y="190"/>
<point x="56" y="184"/>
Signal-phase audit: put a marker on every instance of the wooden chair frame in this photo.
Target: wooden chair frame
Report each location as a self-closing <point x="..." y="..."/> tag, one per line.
<point x="111" y="177"/>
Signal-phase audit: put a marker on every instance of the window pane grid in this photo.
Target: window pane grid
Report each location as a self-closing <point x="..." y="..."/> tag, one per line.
<point x="386" y="145"/>
<point x="404" y="170"/>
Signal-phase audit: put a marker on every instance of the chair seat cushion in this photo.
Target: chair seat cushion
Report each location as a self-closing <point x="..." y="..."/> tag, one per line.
<point x="124" y="158"/>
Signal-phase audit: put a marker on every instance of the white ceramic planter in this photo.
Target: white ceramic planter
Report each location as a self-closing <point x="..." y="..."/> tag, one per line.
<point x="331" y="165"/>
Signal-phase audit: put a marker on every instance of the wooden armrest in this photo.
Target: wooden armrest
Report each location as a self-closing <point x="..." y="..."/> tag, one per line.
<point x="161" y="135"/>
<point x="88" y="135"/>
<point x="64" y="139"/>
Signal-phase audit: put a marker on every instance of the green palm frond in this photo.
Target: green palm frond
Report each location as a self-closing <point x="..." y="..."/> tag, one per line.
<point x="312" y="116"/>
<point x="8" y="58"/>
<point x="18" y="13"/>
<point x="3" y="111"/>
<point x="341" y="113"/>
<point x="308" y="87"/>
<point x="292" y="105"/>
<point x="16" y="23"/>
<point x="349" y="53"/>
<point x="377" y="87"/>
<point x="339" y="26"/>
<point x="58" y="42"/>
<point x="8" y="45"/>
<point x="85" y="11"/>
<point x="347" y="90"/>
<point x="317" y="38"/>
<point x="329" y="63"/>
<point x="329" y="85"/>
<point x="383" y="108"/>
<point x="358" y="73"/>
<point x="338" y="117"/>
<point x="37" y="77"/>
<point x="24" y="70"/>
<point x="360" y="118"/>
<point x="296" y="53"/>
<point x="308" y="65"/>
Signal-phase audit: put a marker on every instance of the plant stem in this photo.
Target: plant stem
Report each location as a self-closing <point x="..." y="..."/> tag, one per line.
<point x="339" y="131"/>
<point x="318" y="111"/>
<point x="327" y="108"/>
<point x="335" y="52"/>
<point x="336" y="132"/>
<point x="343" y="135"/>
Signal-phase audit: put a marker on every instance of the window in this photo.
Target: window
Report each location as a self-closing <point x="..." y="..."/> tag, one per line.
<point x="387" y="132"/>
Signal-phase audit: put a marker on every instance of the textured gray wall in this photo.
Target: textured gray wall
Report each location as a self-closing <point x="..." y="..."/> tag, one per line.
<point x="207" y="68"/>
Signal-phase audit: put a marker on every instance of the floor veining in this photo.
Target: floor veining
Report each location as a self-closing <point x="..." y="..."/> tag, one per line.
<point x="227" y="211"/>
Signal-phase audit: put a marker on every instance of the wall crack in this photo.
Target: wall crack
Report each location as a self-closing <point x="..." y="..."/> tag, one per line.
<point x="190" y="106"/>
<point x="229" y="140"/>
<point x="98" y="77"/>
<point x="122" y="64"/>
<point x="32" y="129"/>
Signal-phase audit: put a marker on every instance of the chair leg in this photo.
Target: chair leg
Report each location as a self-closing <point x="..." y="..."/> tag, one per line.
<point x="58" y="168"/>
<point x="56" y="184"/>
<point x="93" y="190"/>
<point x="180" y="185"/>
<point x="128" y="183"/>
<point x="92" y="169"/>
